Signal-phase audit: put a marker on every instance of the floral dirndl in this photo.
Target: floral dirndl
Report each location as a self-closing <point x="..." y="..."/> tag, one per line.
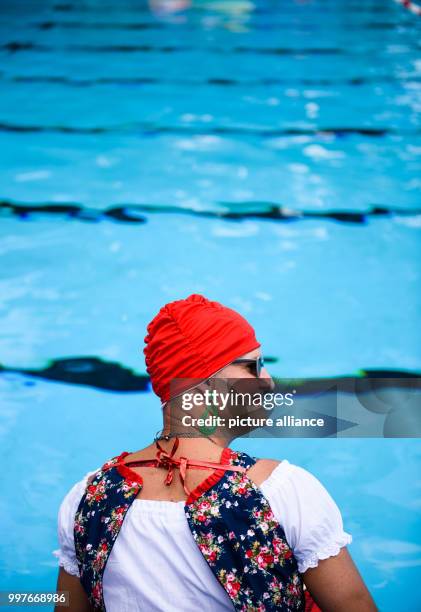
<point x="230" y="520"/>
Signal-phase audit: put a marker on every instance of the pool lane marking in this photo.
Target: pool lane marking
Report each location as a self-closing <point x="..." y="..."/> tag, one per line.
<point x="134" y="213"/>
<point x="215" y="81"/>
<point x="106" y="375"/>
<point x="142" y="129"/>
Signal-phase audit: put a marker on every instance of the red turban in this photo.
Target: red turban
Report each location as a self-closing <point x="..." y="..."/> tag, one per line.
<point x="194" y="338"/>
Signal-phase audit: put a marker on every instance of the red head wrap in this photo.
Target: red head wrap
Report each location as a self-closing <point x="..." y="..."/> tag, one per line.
<point x="194" y="338"/>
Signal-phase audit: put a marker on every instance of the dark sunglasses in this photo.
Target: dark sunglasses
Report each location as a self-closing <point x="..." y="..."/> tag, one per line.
<point x="257" y="364"/>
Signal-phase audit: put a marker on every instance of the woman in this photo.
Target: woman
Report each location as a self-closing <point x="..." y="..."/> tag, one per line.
<point x="231" y="532"/>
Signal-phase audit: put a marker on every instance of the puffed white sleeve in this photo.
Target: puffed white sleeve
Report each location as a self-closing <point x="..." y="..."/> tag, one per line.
<point x="66" y="553"/>
<point x="308" y="514"/>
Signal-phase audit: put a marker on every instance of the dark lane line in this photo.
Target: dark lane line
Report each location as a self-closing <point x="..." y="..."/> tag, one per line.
<point x="22" y="46"/>
<point x="112" y="376"/>
<point x="217" y="82"/>
<point x="146" y="129"/>
<point x="135" y="213"/>
<point x="298" y="26"/>
<point x="156" y="25"/>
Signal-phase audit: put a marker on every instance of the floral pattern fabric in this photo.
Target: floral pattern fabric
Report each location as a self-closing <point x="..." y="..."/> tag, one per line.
<point x="98" y="521"/>
<point x="231" y="522"/>
<point x="244" y="545"/>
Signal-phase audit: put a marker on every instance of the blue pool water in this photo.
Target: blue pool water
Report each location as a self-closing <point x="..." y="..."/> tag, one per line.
<point x="223" y="107"/>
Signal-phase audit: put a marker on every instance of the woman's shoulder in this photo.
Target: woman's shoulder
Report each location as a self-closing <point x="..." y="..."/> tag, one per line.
<point x="79" y="486"/>
<point x="65" y="524"/>
<point x="262" y="469"/>
<point x="74" y="494"/>
<point x="304" y="507"/>
<point x="272" y="473"/>
<point x="280" y="477"/>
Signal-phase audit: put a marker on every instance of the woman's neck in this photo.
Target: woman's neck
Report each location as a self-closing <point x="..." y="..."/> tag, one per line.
<point x="200" y="447"/>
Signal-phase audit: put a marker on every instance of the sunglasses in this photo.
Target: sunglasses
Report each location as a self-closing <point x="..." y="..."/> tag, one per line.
<point x="256" y="364"/>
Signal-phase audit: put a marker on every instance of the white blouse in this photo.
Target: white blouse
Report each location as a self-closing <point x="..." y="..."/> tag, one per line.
<point x="155" y="564"/>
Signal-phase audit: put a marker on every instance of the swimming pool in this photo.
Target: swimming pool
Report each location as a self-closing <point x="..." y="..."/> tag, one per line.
<point x="165" y="145"/>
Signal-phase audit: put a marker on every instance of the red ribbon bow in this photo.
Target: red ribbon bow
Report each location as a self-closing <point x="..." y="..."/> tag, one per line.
<point x="167" y="461"/>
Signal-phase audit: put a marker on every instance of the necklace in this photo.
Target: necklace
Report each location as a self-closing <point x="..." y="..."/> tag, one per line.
<point x="181" y="434"/>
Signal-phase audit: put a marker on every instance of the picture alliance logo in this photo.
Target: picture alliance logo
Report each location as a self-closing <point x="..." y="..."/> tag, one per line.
<point x="231" y="399"/>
